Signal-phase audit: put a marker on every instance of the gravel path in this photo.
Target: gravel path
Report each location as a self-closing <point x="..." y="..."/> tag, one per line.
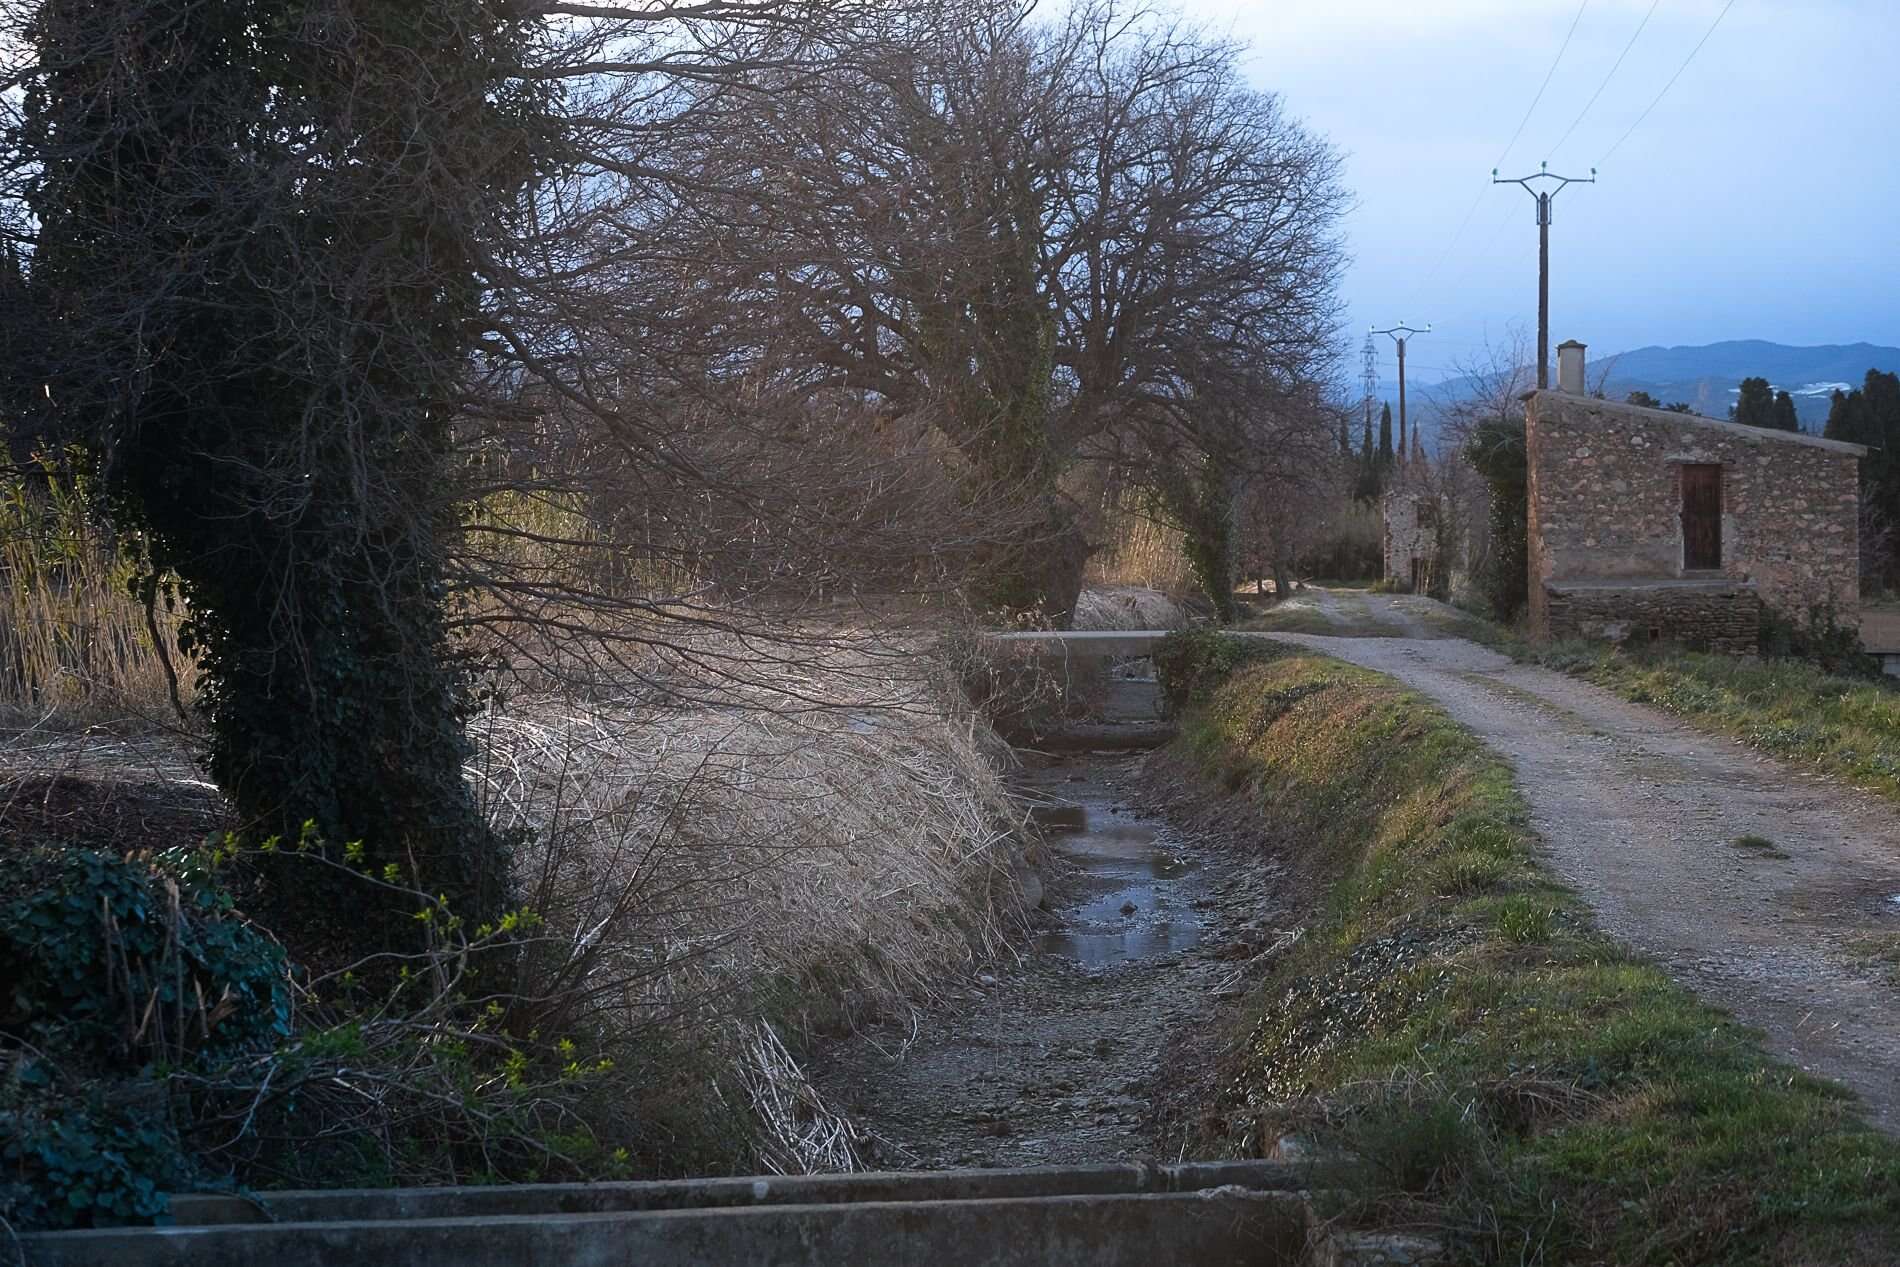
<point x="1640" y="815"/>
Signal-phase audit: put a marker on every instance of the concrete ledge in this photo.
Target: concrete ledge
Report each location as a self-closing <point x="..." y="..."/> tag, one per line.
<point x="1101" y="737"/>
<point x="1653" y="585"/>
<point x="320" y="1205"/>
<point x="1222" y="1225"/>
<point x="1083" y="643"/>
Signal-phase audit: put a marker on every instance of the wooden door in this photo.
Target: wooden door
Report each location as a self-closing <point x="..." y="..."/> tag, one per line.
<point x="1701" y="517"/>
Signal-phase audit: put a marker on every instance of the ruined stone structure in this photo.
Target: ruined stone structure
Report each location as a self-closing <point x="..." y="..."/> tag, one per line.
<point x="1411" y="537"/>
<point x="1654" y="526"/>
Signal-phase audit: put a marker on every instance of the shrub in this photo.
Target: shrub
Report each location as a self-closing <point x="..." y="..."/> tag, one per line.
<point x="82" y="1162"/>
<point x="1823" y="639"/>
<point x="1350" y="548"/>
<point x="114" y="960"/>
<point x="1496" y="450"/>
<point x="1192" y="664"/>
<point x="117" y="973"/>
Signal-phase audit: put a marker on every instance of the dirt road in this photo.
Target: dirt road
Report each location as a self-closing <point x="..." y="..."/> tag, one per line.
<point x="1797" y="931"/>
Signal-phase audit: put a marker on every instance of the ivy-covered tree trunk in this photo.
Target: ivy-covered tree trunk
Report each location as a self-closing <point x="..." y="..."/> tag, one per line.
<point x="1201" y="503"/>
<point x="1496" y="451"/>
<point x="262" y="225"/>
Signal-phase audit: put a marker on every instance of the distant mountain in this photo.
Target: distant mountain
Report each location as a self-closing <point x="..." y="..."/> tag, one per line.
<point x="1708" y="378"/>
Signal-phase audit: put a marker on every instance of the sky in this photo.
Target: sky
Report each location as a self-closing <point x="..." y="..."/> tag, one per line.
<point x="1759" y="199"/>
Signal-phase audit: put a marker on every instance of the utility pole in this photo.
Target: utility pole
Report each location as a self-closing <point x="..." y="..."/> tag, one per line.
<point x="1399" y="334"/>
<point x="1372" y="377"/>
<point x="1544" y="198"/>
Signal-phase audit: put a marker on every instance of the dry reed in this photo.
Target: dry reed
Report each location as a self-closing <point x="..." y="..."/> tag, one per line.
<point x="1137" y="550"/>
<point x="722" y="870"/>
<point x="751" y="839"/>
<point x="76" y="648"/>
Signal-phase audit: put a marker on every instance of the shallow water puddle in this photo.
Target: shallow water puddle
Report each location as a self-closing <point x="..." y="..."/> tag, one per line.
<point x="1130" y="896"/>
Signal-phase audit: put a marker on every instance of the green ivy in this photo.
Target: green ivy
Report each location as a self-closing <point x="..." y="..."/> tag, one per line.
<point x="113" y="960"/>
<point x="85" y="1165"/>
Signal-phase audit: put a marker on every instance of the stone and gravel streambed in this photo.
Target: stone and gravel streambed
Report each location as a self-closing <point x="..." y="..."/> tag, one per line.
<point x="1061" y="1057"/>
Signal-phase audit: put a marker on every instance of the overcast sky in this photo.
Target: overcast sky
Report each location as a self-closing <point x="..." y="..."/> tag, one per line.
<point x="1759" y="199"/>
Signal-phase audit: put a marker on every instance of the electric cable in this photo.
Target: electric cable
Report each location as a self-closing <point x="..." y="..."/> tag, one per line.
<point x="1552" y="152"/>
<point x="1671" y="84"/>
<point x="1465" y="223"/>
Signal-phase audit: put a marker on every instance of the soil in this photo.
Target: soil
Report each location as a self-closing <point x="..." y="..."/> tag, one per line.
<point x="95" y="790"/>
<point x="1641" y="815"/>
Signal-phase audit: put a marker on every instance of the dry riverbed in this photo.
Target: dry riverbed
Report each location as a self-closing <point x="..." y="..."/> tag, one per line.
<point x="1059" y="1058"/>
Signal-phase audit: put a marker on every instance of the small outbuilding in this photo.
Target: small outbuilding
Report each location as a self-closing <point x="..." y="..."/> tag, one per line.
<point x="1410" y="537"/>
<point x="1647" y="525"/>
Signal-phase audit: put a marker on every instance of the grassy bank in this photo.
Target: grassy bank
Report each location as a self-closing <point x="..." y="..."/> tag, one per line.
<point x="1838" y="724"/>
<point x="1511" y="1079"/>
<point x="1845" y="726"/>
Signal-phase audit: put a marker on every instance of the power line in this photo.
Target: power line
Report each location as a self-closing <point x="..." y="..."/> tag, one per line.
<point x="1547" y="77"/>
<point x="1372" y="377"/>
<point x="1552" y="152"/>
<point x="1671" y="84"/>
<point x="1490" y="244"/>
<point x="1459" y="233"/>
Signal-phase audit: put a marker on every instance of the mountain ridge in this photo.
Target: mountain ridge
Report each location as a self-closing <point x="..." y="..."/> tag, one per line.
<point x="1706" y="376"/>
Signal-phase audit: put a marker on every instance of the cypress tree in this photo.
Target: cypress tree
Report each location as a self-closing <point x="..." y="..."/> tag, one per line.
<point x="1783" y="417"/>
<point x="1755" y="406"/>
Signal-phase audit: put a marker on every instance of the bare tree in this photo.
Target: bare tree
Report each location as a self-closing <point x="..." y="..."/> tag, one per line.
<point x="1080" y="241"/>
<point x="292" y="254"/>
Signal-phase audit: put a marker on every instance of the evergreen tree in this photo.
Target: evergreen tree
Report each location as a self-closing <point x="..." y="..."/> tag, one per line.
<point x="1643" y="399"/>
<point x="1870" y="415"/>
<point x="1755" y="407"/>
<point x="1783" y="417"/>
<point x="1385" y="437"/>
<point x="1369" y="480"/>
<point x="1845" y="417"/>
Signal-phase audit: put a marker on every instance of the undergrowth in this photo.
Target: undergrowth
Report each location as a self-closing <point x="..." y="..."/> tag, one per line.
<point x="1495" y="1068"/>
<point x="704" y="890"/>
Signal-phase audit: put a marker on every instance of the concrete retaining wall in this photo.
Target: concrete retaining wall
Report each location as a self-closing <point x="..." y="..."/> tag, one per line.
<point x="1103" y="1216"/>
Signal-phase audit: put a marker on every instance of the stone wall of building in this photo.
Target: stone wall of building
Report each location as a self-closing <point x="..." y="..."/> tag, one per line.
<point x="1606" y="504"/>
<point x="1718" y="616"/>
<point x="1406" y="538"/>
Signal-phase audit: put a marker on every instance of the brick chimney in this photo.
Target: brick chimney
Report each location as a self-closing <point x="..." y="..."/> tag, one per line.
<point x="1570" y="367"/>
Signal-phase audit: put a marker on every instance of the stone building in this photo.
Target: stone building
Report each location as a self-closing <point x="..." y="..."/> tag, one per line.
<point x="1653" y="526"/>
<point x="1411" y="537"/>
